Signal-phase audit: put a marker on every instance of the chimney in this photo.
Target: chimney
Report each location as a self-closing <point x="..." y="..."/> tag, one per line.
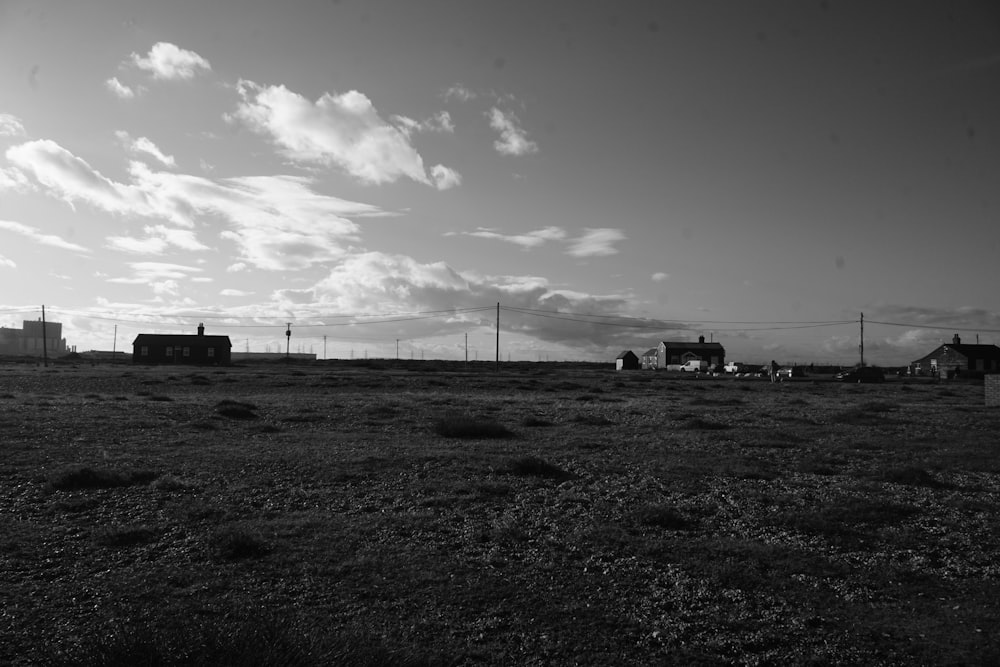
<point x="956" y="340"/>
<point x="701" y="339"/>
<point x="201" y="328"/>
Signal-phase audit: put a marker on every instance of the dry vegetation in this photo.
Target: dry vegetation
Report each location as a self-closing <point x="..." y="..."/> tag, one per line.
<point x="545" y="515"/>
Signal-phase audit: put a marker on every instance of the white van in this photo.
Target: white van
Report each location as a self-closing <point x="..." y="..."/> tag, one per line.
<point x="695" y="365"/>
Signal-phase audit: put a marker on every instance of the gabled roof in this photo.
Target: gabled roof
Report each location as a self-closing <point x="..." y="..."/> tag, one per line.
<point x="189" y="340"/>
<point x="692" y="346"/>
<point x="967" y="350"/>
<point x="625" y="354"/>
<point x="651" y="352"/>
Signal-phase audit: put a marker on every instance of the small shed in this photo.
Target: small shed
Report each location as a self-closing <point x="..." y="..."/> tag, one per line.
<point x="957" y="357"/>
<point x="627" y="361"/>
<point x="182" y="349"/>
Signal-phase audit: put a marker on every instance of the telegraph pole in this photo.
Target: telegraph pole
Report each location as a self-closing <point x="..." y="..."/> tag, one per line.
<point x="397" y="349"/>
<point x="466" y="349"/>
<point x="288" y="338"/>
<point x="498" y="336"/>
<point x="324" y="347"/>
<point x="861" y="345"/>
<point x="45" y="340"/>
<point x="114" y="345"/>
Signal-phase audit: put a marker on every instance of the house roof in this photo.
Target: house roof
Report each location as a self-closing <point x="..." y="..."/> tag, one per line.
<point x="691" y="346"/>
<point x="625" y="354"/>
<point x="967" y="350"/>
<point x="651" y="352"/>
<point x="190" y="340"/>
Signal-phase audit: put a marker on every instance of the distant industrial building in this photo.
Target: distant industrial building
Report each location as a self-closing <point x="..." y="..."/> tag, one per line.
<point x="33" y="339"/>
<point x="182" y="349"/>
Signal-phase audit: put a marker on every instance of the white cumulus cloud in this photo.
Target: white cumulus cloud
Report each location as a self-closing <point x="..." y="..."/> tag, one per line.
<point x="513" y="139"/>
<point x="445" y="177"/>
<point x="145" y="145"/>
<point x="119" y="89"/>
<point x="342" y="130"/>
<point x="169" y="61"/>
<point x="598" y="242"/>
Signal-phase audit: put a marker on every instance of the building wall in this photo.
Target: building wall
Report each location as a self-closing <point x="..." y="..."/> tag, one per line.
<point x="992" y="390"/>
<point x="676" y="354"/>
<point x="158" y="353"/>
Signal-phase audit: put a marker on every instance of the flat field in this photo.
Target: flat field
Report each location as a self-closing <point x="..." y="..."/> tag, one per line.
<point x="543" y="515"/>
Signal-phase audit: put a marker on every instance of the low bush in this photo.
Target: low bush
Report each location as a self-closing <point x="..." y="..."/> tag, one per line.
<point x="122" y="536"/>
<point x="236" y="409"/>
<point x="533" y="466"/>
<point x="464" y="426"/>
<point x="661" y="516"/>
<point x="238" y="543"/>
<point x="74" y="477"/>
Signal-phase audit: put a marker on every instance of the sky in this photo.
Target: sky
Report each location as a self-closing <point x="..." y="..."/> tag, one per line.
<point x="376" y="177"/>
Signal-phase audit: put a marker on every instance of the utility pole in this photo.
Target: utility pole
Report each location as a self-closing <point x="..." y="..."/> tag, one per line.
<point x="45" y="340"/>
<point x="288" y="338"/>
<point x="397" y="349"/>
<point x="466" y="348"/>
<point x="498" y="336"/>
<point x="861" y="345"/>
<point x="114" y="345"/>
<point x="324" y="347"/>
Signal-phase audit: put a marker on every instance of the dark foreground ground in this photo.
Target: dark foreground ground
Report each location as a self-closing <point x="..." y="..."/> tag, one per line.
<point x="323" y="515"/>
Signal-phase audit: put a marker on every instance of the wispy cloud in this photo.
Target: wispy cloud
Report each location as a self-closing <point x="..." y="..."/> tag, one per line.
<point x="10" y="126"/>
<point x="513" y="139"/>
<point x="527" y="241"/>
<point x="9" y="263"/>
<point x="40" y="237"/>
<point x="235" y="292"/>
<point x="119" y="89"/>
<point x="276" y="222"/>
<point x="169" y="61"/>
<point x="596" y="242"/>
<point x="342" y="130"/>
<point x="659" y="277"/>
<point x="144" y="145"/>
<point x="439" y="122"/>
<point x="460" y="93"/>
<point x="150" y="272"/>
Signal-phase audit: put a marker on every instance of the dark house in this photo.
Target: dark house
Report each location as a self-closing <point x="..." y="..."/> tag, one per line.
<point x="627" y="361"/>
<point x="182" y="349"/>
<point x="958" y="357"/>
<point x="671" y="354"/>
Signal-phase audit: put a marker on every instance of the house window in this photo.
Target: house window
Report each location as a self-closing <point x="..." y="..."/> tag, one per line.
<point x="211" y="352"/>
<point x="170" y="351"/>
<point x="144" y="351"/>
<point x="187" y="351"/>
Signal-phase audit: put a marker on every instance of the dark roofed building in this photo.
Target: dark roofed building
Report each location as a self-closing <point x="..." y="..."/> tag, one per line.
<point x="648" y="360"/>
<point x="957" y="356"/>
<point x="627" y="361"/>
<point x="675" y="353"/>
<point x="182" y="349"/>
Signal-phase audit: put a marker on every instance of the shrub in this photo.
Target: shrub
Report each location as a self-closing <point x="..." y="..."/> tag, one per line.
<point x="536" y="422"/>
<point x="236" y="409"/>
<point x="71" y="478"/>
<point x="913" y="476"/>
<point x="700" y="424"/>
<point x="122" y="536"/>
<point x="661" y="516"/>
<point x="237" y="543"/>
<point x="464" y="426"/>
<point x="532" y="466"/>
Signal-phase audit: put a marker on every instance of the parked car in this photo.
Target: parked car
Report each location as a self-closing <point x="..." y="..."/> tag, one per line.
<point x="791" y="372"/>
<point x="695" y="365"/>
<point x="732" y="367"/>
<point x="861" y="374"/>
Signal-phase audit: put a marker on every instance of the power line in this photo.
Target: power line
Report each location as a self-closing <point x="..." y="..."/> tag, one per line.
<point x="934" y="326"/>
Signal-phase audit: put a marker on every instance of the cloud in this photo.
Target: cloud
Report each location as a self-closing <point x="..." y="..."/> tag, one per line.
<point x="659" y="277"/>
<point x="168" y="61"/>
<point x="526" y="241"/>
<point x="7" y="262"/>
<point x="460" y="93"/>
<point x="276" y="222"/>
<point x="598" y="242"/>
<point x="120" y="90"/>
<point x="439" y="122"/>
<point x="156" y="272"/>
<point x="144" y="145"/>
<point x="10" y="126"/>
<point x="158" y="240"/>
<point x="445" y="177"/>
<point x="375" y="282"/>
<point x="513" y="140"/>
<point x="235" y="292"/>
<point x="36" y="235"/>
<point x="13" y="179"/>
<point x="342" y="130"/>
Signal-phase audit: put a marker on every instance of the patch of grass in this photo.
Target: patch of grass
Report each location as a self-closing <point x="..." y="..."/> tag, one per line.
<point x="702" y="424"/>
<point x="122" y="536"/>
<point x="533" y="466"/>
<point x="73" y="505"/>
<point x="238" y="543"/>
<point x="465" y="426"/>
<point x="661" y="516"/>
<point x="75" y="477"/>
<point x="843" y="518"/>
<point x="170" y="483"/>
<point x="536" y="422"/>
<point x="912" y="476"/>
<point x="236" y="409"/>
<point x="160" y="397"/>
<point x="591" y="420"/>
